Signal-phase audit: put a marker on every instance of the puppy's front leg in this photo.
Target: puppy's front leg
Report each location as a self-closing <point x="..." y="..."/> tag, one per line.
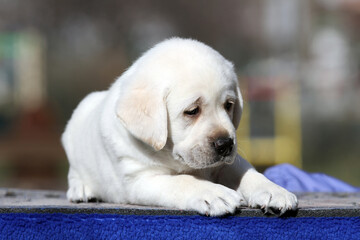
<point x="182" y="191"/>
<point x="257" y="190"/>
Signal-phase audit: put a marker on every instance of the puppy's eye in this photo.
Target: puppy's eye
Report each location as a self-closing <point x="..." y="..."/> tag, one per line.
<point x="192" y="112"/>
<point x="228" y="105"/>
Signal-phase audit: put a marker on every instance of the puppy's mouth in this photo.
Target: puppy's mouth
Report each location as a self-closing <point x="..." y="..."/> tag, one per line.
<point x="228" y="159"/>
<point x="196" y="161"/>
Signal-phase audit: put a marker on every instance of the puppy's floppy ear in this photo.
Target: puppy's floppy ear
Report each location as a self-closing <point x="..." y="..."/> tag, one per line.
<point x="237" y="108"/>
<point x="142" y="110"/>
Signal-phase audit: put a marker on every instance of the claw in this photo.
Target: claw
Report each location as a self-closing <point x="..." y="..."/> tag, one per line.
<point x="271" y="211"/>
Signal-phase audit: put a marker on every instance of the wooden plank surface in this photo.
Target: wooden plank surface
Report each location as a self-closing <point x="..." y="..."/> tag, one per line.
<point x="40" y="201"/>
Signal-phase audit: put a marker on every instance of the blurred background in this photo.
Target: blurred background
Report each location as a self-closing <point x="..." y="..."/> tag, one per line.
<point x="298" y="64"/>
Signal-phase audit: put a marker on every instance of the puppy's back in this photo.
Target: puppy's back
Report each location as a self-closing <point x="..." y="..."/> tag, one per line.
<point x="82" y="121"/>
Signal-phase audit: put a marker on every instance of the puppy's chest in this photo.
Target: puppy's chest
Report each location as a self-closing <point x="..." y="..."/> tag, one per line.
<point x="211" y="174"/>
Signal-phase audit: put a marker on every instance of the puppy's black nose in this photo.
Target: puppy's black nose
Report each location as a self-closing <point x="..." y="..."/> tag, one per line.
<point x="223" y="146"/>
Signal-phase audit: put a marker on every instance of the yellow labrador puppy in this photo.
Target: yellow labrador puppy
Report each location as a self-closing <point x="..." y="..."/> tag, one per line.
<point x="164" y="135"/>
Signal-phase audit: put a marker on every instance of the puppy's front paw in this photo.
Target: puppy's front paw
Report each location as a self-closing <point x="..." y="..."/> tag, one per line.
<point x="216" y="200"/>
<point x="78" y="192"/>
<point x="273" y="199"/>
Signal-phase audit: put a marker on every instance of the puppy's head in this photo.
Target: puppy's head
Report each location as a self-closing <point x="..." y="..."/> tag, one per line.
<point x="185" y="95"/>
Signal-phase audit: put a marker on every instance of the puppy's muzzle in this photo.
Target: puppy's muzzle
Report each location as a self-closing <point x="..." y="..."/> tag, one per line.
<point x="223" y="146"/>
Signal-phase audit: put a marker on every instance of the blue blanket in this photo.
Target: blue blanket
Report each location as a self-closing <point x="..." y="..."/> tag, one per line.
<point x="297" y="180"/>
<point x="94" y="226"/>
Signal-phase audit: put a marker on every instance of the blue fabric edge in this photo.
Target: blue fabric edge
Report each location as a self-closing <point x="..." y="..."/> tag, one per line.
<point x="112" y="226"/>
